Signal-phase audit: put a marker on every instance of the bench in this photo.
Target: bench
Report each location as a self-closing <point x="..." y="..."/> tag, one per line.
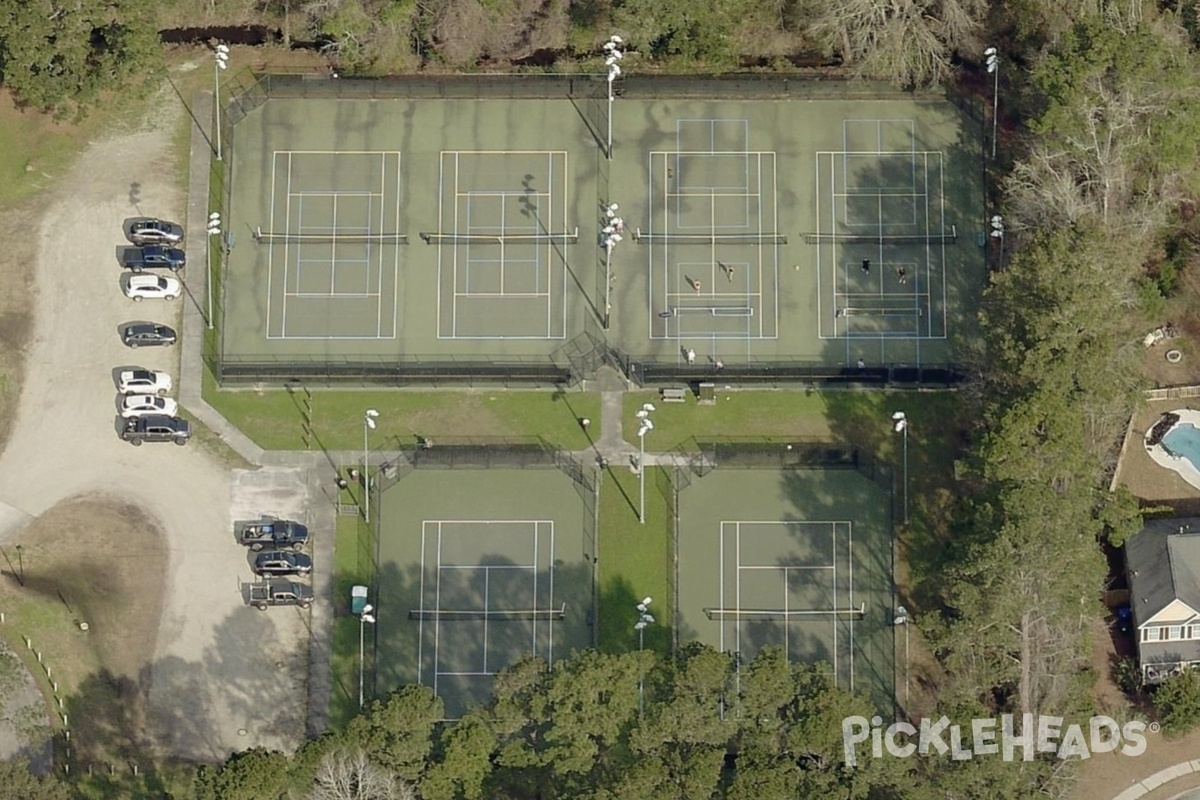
<point x="674" y="395"/>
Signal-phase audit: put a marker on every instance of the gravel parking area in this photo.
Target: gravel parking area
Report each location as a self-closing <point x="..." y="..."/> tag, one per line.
<point x="224" y="677"/>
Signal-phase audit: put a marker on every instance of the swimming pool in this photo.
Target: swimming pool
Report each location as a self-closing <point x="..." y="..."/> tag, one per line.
<point x="1184" y="440"/>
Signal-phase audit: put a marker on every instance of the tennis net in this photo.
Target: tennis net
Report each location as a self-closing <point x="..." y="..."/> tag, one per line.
<point x="708" y="238"/>
<point x="566" y="237"/>
<point x="716" y="311"/>
<point x="784" y="615"/>
<point x="945" y="237"/>
<point x="270" y="237"/>
<point x="502" y="615"/>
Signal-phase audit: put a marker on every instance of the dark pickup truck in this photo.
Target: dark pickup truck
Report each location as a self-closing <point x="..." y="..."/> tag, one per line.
<point x="153" y="256"/>
<point x="271" y="532"/>
<point x="279" y="593"/>
<point x="157" y="428"/>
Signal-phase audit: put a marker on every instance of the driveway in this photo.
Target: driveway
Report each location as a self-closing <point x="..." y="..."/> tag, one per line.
<point x="224" y="677"/>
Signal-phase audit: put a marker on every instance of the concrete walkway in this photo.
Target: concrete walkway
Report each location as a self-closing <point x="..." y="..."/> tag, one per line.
<point x="1159" y="779"/>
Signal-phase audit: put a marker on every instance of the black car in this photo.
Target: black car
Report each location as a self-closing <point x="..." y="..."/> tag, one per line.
<point x="149" y="230"/>
<point x="282" y="562"/>
<point x="156" y="428"/>
<point x="147" y="334"/>
<point x="271" y="532"/>
<point x="153" y="256"/>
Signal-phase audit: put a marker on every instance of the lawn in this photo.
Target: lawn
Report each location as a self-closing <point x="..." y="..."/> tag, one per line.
<point x="276" y="419"/>
<point x="635" y="559"/>
<point x="859" y="418"/>
<point x="353" y="558"/>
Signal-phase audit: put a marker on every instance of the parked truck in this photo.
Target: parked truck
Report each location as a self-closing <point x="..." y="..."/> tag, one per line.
<point x="279" y="593"/>
<point x="271" y="532"/>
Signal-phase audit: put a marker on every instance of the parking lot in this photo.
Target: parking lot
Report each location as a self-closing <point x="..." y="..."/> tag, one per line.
<point x="223" y="676"/>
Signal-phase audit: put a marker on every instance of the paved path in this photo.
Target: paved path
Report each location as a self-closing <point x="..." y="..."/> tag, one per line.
<point x="1159" y="779"/>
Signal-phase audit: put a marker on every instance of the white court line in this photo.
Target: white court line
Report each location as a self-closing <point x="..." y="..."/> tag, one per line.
<point x="487" y="605"/>
<point x="287" y="221"/>
<point x="712" y="193"/>
<point x="550" y="654"/>
<point x="517" y="567"/>
<point x="789" y="566"/>
<point x="455" y="293"/>
<point x="271" y="245"/>
<point x="421" y="606"/>
<point x="339" y="296"/>
<point x="738" y="555"/>
<point x="469" y="674"/>
<point x="502" y="192"/>
<point x="437" y="604"/>
<point x="721" y="583"/>
<point x="441" y="206"/>
<point x="850" y="569"/>
<point x="518" y="295"/>
<point x="833" y="622"/>
<point x="534" y="604"/>
<point x="332" y="193"/>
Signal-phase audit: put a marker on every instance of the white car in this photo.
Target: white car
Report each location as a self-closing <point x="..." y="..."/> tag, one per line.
<point x="144" y="381"/>
<point x="140" y="405"/>
<point x="139" y="287"/>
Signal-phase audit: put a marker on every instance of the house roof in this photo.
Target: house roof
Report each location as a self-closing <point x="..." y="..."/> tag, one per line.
<point x="1163" y="560"/>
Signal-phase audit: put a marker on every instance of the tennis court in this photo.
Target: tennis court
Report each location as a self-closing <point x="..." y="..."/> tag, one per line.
<point x="478" y="569"/>
<point x="438" y="229"/>
<point x="796" y="558"/>
<point x="502" y="219"/>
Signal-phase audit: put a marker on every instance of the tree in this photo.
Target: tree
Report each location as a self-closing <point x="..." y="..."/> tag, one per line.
<point x="57" y="53"/>
<point x="465" y="760"/>
<point x="1177" y="701"/>
<point x="350" y="775"/>
<point x="1117" y="131"/>
<point x="397" y="734"/>
<point x="20" y="783"/>
<point x="250" y="775"/>
<point x="908" y="42"/>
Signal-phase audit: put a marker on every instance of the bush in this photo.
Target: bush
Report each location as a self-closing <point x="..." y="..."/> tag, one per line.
<point x="1177" y="701"/>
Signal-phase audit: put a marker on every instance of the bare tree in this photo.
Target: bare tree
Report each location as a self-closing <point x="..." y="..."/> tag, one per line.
<point x="909" y="42"/>
<point x="350" y="775"/>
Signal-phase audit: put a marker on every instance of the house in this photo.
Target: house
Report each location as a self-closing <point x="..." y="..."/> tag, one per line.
<point x="1162" y="562"/>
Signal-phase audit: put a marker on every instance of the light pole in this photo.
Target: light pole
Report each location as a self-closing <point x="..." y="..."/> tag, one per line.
<point x="365" y="617"/>
<point x="992" y="57"/>
<point x="903" y="619"/>
<point x="900" y="425"/>
<point x="221" y="56"/>
<point x="214" y="229"/>
<point x="644" y="619"/>
<point x="644" y="427"/>
<point x="612" y="54"/>
<point x="368" y="425"/>
<point x="997" y="233"/>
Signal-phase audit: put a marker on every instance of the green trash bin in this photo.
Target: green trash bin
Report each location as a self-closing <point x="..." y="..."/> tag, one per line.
<point x="358" y="599"/>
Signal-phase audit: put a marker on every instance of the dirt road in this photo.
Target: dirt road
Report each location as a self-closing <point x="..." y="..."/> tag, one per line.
<point x="223" y="677"/>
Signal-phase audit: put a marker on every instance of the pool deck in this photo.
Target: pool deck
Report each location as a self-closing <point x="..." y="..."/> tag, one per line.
<point x="1174" y="462"/>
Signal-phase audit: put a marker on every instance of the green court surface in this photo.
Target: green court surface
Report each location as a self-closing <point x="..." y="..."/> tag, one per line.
<point x="797" y="558"/>
<point x="824" y="231"/>
<point x="478" y="568"/>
